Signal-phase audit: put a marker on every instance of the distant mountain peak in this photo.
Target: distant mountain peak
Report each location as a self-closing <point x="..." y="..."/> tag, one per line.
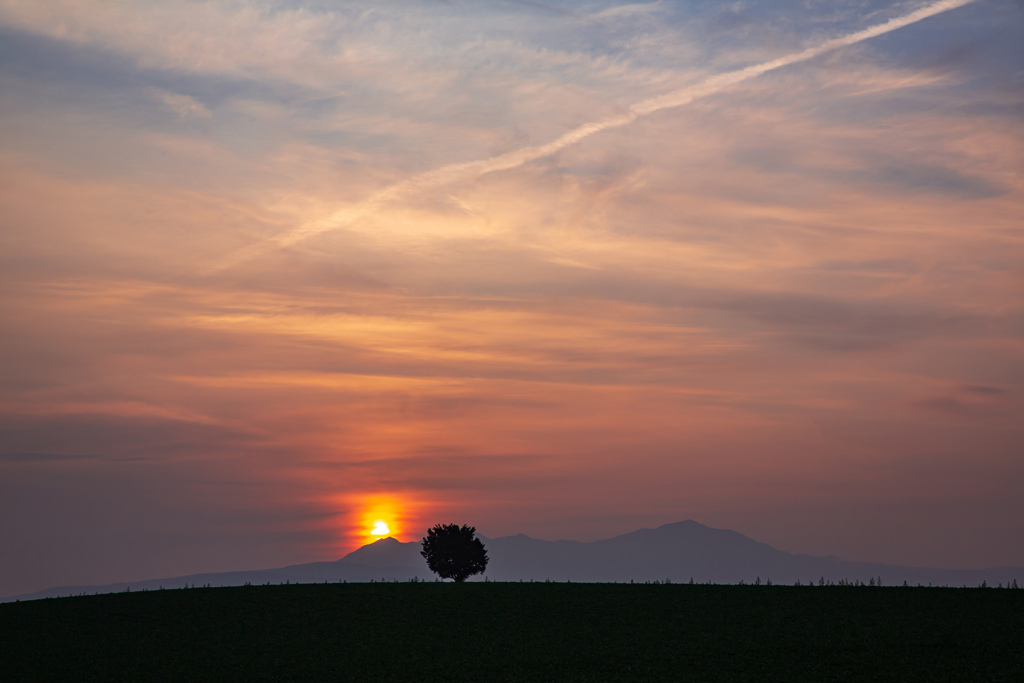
<point x="386" y="540"/>
<point x="387" y="552"/>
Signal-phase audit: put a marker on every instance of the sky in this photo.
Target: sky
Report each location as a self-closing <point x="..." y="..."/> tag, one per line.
<point x="272" y="271"/>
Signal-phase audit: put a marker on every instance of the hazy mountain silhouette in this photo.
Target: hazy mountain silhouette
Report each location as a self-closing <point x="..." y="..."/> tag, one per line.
<point x="677" y="552"/>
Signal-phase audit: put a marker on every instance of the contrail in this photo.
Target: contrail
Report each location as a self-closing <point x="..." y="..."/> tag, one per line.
<point x="677" y="98"/>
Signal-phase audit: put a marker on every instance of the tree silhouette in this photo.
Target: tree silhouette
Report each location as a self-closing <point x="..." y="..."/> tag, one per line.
<point x="454" y="552"/>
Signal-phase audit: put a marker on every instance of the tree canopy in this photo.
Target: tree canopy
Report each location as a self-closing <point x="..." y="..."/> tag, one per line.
<point x="454" y="552"/>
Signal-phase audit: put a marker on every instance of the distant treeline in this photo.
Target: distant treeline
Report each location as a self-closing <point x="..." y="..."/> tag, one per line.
<point x="874" y="582"/>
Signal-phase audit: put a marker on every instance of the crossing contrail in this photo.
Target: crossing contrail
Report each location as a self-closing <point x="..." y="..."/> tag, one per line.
<point x="677" y="98"/>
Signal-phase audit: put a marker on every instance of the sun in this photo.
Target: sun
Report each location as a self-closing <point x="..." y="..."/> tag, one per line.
<point x="380" y="529"/>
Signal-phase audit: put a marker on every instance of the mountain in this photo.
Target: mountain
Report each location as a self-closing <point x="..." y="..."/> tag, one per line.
<point x="677" y="552"/>
<point x="388" y="552"/>
<point x="685" y="550"/>
<point x="348" y="568"/>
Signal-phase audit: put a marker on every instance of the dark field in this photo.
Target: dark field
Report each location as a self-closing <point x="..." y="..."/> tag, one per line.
<point x="519" y="631"/>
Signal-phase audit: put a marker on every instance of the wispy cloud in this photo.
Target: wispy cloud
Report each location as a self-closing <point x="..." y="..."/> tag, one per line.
<point x="183" y="105"/>
<point x="509" y="160"/>
<point x="41" y="457"/>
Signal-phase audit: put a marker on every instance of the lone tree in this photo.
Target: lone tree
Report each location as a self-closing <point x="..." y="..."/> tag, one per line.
<point x="454" y="552"/>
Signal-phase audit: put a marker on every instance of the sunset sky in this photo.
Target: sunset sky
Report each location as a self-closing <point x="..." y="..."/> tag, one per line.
<point x="271" y="270"/>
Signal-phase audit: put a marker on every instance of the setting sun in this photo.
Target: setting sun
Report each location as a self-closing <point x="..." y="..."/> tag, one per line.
<point x="380" y="528"/>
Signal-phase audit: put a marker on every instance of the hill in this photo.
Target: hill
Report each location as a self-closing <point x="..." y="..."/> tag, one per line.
<point x="518" y="632"/>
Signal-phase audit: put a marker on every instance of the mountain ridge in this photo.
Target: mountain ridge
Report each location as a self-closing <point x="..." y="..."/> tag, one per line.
<point x="677" y="552"/>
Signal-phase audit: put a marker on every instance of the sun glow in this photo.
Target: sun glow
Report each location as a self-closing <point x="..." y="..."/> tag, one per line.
<point x="365" y="518"/>
<point x="376" y="517"/>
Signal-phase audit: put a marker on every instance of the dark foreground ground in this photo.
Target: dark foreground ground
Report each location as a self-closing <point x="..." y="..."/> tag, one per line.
<point x="519" y="632"/>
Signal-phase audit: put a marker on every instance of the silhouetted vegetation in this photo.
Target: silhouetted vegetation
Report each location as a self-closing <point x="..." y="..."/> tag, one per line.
<point x="429" y="631"/>
<point x="454" y="552"/>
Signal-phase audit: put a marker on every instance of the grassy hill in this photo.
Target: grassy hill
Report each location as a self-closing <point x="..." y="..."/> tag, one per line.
<point x="518" y="632"/>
